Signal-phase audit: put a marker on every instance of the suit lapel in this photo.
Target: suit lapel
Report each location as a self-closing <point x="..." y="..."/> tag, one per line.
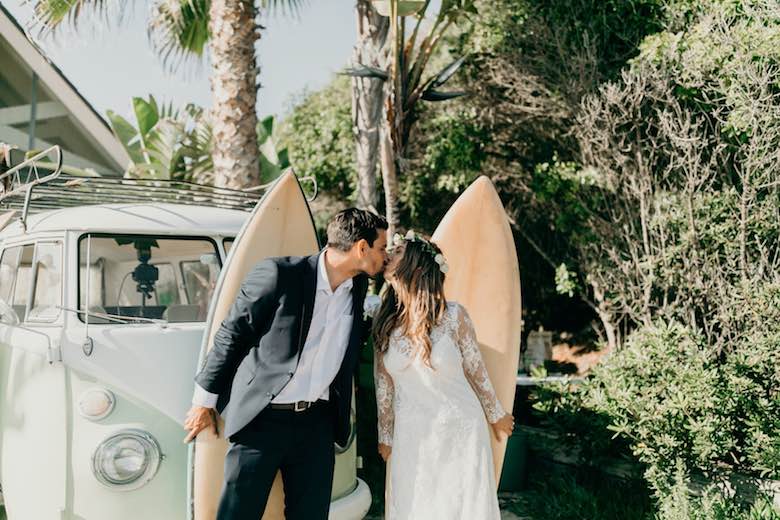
<point x="359" y="287"/>
<point x="309" y="292"/>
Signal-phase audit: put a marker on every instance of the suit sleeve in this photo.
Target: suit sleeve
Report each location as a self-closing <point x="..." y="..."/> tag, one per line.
<point x="241" y="330"/>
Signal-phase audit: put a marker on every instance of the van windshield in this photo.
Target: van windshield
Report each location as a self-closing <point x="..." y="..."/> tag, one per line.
<point x="146" y="276"/>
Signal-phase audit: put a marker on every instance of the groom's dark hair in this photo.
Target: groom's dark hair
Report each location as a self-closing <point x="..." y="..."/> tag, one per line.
<point x="353" y="224"/>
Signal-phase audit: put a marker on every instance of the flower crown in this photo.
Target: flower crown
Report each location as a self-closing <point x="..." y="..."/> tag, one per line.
<point x="412" y="236"/>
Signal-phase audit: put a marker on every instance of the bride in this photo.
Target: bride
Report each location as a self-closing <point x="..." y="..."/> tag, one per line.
<point x="433" y="395"/>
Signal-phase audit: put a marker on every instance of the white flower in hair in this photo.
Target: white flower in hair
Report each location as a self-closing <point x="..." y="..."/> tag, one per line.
<point x="410" y="235"/>
<point x="443" y="267"/>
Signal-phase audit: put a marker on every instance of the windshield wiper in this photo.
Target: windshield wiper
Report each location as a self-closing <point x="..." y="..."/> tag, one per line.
<point x="116" y="318"/>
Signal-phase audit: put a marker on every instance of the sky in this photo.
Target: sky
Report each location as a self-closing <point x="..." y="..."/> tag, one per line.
<point x="110" y="63"/>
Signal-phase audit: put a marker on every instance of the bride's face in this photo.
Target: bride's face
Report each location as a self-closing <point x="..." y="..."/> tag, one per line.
<point x="394" y="256"/>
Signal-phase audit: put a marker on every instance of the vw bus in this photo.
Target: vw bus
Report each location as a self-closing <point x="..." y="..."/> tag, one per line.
<point x="105" y="285"/>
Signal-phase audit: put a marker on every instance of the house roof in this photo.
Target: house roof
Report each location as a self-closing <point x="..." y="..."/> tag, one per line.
<point x="80" y="112"/>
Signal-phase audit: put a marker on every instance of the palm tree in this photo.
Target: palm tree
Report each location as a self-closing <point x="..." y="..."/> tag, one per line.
<point x="367" y="99"/>
<point x="405" y="83"/>
<point x="181" y="29"/>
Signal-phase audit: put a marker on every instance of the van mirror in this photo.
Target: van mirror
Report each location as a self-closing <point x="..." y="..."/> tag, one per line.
<point x="8" y="315"/>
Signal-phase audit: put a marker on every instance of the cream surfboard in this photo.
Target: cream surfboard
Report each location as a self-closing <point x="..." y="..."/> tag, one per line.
<point x="280" y="225"/>
<point x="484" y="277"/>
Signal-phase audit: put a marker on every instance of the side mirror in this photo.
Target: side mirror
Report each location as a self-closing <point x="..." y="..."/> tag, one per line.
<point x="8" y="315"/>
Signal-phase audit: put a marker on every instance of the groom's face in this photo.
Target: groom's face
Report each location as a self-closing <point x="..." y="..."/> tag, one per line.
<point x="374" y="258"/>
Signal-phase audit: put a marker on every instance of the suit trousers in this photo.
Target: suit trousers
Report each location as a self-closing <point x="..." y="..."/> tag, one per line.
<point x="300" y="445"/>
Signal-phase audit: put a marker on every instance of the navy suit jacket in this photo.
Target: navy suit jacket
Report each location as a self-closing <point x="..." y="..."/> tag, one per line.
<point x="257" y="347"/>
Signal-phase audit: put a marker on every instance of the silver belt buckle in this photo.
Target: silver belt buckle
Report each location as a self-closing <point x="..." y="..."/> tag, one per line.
<point x="303" y="408"/>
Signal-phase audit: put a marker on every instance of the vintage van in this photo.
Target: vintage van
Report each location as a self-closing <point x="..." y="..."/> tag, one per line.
<point x="105" y="286"/>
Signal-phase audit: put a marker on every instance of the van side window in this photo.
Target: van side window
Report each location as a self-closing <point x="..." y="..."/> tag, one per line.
<point x="47" y="296"/>
<point x="15" y="277"/>
<point x="8" y="265"/>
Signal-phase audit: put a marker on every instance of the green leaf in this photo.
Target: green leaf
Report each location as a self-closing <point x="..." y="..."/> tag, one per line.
<point x="146" y="114"/>
<point x="127" y="135"/>
<point x="364" y="71"/>
<point x="448" y="71"/>
<point x="265" y="129"/>
<point x="435" y="95"/>
<point x="284" y="159"/>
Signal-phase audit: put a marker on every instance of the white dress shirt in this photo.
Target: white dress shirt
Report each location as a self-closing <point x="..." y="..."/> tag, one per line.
<point x="323" y="351"/>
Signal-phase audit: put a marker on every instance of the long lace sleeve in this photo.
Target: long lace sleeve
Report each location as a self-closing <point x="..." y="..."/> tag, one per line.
<point x="474" y="367"/>
<point x="385" y="391"/>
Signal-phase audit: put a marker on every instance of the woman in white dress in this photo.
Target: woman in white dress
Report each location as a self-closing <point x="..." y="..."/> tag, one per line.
<point x="433" y="395"/>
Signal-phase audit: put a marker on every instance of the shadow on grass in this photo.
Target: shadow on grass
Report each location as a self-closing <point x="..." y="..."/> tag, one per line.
<point x="556" y="492"/>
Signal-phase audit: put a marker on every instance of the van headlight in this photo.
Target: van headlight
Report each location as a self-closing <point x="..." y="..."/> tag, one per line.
<point x="127" y="459"/>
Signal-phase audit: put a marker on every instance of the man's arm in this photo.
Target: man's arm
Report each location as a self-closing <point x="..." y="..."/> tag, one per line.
<point x="252" y="309"/>
<point x="204" y="398"/>
<point x="236" y="335"/>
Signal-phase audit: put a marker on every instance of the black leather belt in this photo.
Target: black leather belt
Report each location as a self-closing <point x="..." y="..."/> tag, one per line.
<point x="300" y="406"/>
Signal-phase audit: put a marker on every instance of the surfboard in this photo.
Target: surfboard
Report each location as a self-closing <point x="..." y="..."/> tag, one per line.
<point x="280" y="225"/>
<point x="484" y="277"/>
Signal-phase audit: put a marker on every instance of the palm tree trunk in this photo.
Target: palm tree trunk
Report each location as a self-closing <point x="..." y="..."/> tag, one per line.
<point x="234" y="93"/>
<point x="367" y="97"/>
<point x="390" y="180"/>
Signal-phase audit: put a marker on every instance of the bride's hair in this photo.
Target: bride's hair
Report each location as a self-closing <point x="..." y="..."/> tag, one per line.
<point x="414" y="299"/>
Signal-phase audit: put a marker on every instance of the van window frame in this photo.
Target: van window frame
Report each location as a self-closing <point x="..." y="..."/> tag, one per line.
<point x="102" y="234"/>
<point x="34" y="276"/>
<point x="34" y="281"/>
<point x="3" y="251"/>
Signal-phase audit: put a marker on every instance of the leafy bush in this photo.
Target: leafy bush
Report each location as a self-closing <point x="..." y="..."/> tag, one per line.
<point x="680" y="401"/>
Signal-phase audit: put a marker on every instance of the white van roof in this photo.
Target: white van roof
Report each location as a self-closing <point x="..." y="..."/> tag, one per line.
<point x="134" y="218"/>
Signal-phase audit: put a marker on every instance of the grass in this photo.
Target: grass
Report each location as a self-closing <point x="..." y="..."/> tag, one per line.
<point x="562" y="493"/>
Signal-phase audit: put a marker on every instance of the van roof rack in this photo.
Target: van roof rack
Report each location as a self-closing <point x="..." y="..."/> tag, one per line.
<point x="54" y="190"/>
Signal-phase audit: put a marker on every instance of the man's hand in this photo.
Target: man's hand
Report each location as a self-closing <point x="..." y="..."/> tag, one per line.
<point x="198" y="419"/>
<point x="504" y="426"/>
<point x="384" y="451"/>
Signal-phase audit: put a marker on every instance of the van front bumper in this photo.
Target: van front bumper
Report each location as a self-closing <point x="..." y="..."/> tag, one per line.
<point x="353" y="506"/>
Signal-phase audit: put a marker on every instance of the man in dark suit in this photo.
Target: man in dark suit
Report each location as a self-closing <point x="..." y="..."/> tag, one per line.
<point x="280" y="371"/>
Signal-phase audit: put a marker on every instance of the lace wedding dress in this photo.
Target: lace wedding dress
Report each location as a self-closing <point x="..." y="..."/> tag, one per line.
<point x="441" y="465"/>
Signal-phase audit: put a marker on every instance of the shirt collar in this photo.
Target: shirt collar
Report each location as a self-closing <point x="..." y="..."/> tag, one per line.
<point x="323" y="282"/>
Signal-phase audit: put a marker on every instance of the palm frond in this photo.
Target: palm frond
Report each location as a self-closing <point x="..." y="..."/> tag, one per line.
<point x="179" y="30"/>
<point x="284" y="7"/>
<point x="49" y="14"/>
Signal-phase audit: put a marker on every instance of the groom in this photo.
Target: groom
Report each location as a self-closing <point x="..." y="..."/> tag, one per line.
<point x="280" y="371"/>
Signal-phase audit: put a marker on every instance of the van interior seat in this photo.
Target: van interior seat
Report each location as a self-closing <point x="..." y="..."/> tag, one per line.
<point x="181" y="313"/>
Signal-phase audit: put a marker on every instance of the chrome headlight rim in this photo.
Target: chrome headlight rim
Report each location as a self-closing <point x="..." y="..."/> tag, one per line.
<point x="152" y="452"/>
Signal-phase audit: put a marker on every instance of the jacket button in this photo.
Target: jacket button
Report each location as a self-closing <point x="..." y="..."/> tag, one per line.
<point x="269" y="394"/>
